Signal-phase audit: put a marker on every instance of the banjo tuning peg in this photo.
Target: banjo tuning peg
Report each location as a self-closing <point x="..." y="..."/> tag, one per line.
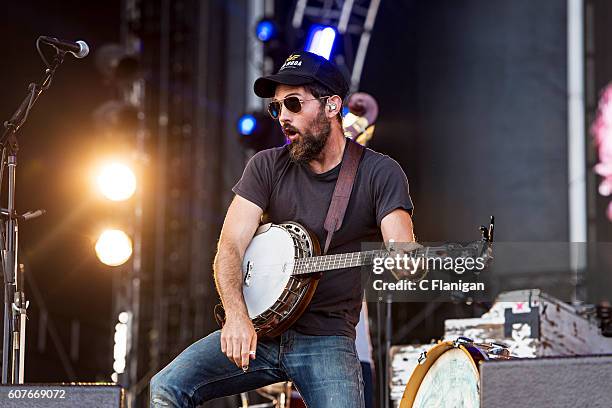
<point x="487" y="232"/>
<point x="484" y="231"/>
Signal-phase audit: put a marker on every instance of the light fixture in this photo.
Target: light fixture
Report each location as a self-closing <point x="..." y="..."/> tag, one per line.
<point x="265" y="30"/>
<point x="116" y="181"/>
<point x="321" y="40"/>
<point x="247" y="124"/>
<point x="113" y="247"/>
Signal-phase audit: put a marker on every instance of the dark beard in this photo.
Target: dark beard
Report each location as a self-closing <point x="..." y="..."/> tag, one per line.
<point x="312" y="141"/>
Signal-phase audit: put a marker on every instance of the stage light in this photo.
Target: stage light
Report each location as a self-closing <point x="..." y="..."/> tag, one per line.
<point x="116" y="181"/>
<point x="113" y="247"/>
<point x="321" y="40"/>
<point x="265" y="30"/>
<point x="247" y="124"/>
<point x="121" y="344"/>
<point x="124" y="317"/>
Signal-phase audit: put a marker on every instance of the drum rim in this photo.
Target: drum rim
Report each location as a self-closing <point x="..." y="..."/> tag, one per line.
<point x="419" y="372"/>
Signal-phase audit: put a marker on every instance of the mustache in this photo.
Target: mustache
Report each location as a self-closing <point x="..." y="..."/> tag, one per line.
<point x="289" y="129"/>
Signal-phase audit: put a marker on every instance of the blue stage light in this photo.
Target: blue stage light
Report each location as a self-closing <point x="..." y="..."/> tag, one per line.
<point x="265" y="30"/>
<point x="321" y="40"/>
<point x="258" y="131"/>
<point x="247" y="124"/>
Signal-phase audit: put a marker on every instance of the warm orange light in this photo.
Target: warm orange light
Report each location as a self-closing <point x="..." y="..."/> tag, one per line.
<point x="113" y="247"/>
<point x="116" y="181"/>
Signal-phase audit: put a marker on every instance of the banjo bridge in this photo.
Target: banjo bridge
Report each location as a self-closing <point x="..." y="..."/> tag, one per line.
<point x="247" y="274"/>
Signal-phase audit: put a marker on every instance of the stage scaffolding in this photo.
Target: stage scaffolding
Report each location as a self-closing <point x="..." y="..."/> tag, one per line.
<point x="188" y="93"/>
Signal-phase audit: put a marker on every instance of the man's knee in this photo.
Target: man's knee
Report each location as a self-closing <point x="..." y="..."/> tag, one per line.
<point x="161" y="393"/>
<point x="156" y="382"/>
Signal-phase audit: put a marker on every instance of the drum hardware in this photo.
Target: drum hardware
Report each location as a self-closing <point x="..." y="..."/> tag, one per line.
<point x="460" y="341"/>
<point x="422" y="357"/>
<point x="278" y="396"/>
<point x="604" y="314"/>
<point x="404" y="359"/>
<point x="498" y="349"/>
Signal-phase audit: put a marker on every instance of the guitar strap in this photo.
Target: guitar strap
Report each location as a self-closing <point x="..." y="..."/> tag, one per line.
<point x="342" y="191"/>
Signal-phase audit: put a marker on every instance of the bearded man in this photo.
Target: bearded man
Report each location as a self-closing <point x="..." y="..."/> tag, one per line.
<point x="295" y="182"/>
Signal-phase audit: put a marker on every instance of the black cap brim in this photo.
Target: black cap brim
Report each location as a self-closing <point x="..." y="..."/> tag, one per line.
<point x="265" y="87"/>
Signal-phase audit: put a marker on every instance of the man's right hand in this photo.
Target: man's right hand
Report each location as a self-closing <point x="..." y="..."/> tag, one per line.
<point x="238" y="339"/>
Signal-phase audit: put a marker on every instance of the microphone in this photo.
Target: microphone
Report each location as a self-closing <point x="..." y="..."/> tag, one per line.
<point x="79" y="49"/>
<point x="32" y="214"/>
<point x="25" y="216"/>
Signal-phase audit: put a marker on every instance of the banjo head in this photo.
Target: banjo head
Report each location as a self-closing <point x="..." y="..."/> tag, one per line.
<point x="266" y="268"/>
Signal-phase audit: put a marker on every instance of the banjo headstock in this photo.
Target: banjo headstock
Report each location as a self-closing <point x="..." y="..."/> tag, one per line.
<point x="482" y="248"/>
<point x="487" y="236"/>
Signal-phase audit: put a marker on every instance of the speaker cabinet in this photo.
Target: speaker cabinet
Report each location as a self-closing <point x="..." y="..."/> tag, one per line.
<point x="557" y="382"/>
<point x="61" y="396"/>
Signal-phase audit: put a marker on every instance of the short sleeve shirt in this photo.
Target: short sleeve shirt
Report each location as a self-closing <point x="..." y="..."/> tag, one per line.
<point x="287" y="191"/>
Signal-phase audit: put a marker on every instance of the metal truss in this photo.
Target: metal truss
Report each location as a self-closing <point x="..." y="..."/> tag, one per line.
<point x="354" y="20"/>
<point x="164" y="292"/>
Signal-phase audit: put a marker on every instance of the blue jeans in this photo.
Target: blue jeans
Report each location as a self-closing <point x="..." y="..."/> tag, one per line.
<point x="324" y="369"/>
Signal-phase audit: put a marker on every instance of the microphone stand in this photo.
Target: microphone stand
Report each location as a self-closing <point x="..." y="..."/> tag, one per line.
<point x="388" y="335"/>
<point x="13" y="346"/>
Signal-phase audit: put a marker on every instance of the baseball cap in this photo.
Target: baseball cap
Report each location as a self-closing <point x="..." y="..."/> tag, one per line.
<point x="301" y="68"/>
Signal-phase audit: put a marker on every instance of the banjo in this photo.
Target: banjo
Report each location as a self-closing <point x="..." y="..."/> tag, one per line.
<point x="283" y="263"/>
<point x="282" y="266"/>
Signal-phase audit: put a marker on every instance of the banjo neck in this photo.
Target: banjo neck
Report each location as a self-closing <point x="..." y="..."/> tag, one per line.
<point x="276" y="255"/>
<point x="350" y="260"/>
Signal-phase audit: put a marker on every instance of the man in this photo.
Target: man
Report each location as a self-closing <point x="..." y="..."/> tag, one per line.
<point x="295" y="183"/>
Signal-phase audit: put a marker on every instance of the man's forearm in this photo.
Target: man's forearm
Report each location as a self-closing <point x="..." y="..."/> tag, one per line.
<point x="228" y="280"/>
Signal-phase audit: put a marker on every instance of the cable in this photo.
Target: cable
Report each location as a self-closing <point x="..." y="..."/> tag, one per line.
<point x="24" y="117"/>
<point x="2" y="230"/>
<point x="42" y="55"/>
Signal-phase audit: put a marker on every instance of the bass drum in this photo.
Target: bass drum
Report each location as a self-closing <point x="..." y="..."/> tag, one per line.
<point x="447" y="374"/>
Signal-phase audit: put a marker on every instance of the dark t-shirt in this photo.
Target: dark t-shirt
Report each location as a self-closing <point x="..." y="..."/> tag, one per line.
<point x="287" y="191"/>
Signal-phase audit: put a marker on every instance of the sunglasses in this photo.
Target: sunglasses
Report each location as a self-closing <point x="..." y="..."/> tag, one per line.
<point x="292" y="103"/>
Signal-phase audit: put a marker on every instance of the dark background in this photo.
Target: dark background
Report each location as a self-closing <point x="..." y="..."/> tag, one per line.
<point x="58" y="147"/>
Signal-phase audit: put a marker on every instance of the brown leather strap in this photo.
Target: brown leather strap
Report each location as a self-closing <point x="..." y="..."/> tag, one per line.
<point x="342" y="191"/>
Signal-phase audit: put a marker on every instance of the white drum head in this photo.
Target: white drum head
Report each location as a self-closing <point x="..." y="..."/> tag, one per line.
<point x="452" y="381"/>
<point x="271" y="257"/>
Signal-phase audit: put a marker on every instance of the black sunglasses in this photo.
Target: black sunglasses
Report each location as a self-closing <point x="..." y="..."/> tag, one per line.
<point x="292" y="103"/>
